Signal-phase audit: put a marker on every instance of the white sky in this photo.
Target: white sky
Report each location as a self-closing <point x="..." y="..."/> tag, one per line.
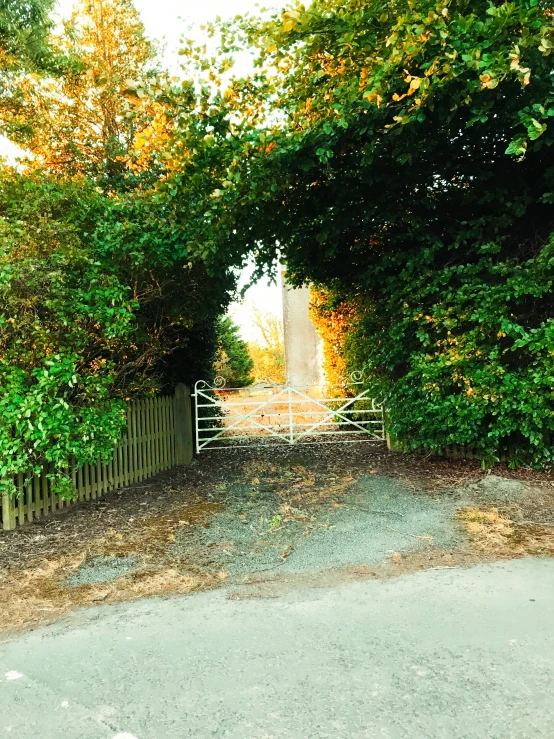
<point x="167" y="21"/>
<point x="264" y="296"/>
<point x="167" y="18"/>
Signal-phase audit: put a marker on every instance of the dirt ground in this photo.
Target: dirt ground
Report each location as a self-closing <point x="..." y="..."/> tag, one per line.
<point x="258" y="521"/>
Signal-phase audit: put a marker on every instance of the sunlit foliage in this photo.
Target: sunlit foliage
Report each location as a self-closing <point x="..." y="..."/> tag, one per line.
<point x="400" y="155"/>
<point x="268" y="351"/>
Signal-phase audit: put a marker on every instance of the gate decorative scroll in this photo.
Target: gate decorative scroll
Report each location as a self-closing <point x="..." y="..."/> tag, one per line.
<point x="284" y="414"/>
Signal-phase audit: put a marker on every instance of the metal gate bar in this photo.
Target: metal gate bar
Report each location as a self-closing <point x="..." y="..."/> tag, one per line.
<point x="233" y="417"/>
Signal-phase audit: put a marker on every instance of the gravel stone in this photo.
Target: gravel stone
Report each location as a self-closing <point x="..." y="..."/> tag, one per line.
<point x="102" y="569"/>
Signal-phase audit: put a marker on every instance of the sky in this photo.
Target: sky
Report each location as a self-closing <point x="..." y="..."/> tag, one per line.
<point x="166" y="21"/>
<point x="168" y="18"/>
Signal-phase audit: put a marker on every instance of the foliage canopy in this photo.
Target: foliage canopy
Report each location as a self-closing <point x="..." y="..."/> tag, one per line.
<point x="24" y="33"/>
<point x="101" y="298"/>
<point x="398" y="154"/>
<point x="405" y="165"/>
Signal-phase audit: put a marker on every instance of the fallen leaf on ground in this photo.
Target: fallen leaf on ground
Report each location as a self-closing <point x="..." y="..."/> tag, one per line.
<point x="288" y="551"/>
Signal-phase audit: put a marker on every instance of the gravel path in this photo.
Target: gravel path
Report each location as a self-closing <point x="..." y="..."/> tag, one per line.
<point x="365" y="523"/>
<point x="457" y="654"/>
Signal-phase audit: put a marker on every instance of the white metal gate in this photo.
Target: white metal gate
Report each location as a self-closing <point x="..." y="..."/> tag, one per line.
<point x="284" y="414"/>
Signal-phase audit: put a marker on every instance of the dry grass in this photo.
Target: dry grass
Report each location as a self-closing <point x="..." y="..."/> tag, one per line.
<point x="150" y="537"/>
<point x="495" y="534"/>
<point x="38" y="595"/>
<point x="487" y="528"/>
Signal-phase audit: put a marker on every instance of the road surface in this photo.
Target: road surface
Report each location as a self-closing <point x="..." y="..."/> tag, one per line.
<point x="439" y="654"/>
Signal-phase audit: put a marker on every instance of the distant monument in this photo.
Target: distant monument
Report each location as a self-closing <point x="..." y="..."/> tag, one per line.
<point x="303" y="346"/>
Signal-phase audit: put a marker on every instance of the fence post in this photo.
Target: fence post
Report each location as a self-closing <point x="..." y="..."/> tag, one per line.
<point x="183" y="425"/>
<point x="8" y="512"/>
<point x="393" y="445"/>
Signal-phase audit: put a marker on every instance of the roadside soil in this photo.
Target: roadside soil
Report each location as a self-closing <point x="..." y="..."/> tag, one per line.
<point x="260" y="521"/>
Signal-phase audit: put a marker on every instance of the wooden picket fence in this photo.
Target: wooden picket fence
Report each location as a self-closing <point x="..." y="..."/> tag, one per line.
<point x="159" y="436"/>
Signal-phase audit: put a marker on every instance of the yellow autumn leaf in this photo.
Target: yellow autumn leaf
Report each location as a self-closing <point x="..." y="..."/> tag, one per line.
<point x="140" y="141"/>
<point x="290" y="19"/>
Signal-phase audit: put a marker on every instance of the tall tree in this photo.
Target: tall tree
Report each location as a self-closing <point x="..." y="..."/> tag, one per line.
<point x="25" y="27"/>
<point x="268" y="352"/>
<point x="233" y="361"/>
<point x="24" y="30"/>
<point x="82" y="121"/>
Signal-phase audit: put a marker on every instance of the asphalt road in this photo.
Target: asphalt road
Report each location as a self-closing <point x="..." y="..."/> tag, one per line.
<point x="439" y="654"/>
